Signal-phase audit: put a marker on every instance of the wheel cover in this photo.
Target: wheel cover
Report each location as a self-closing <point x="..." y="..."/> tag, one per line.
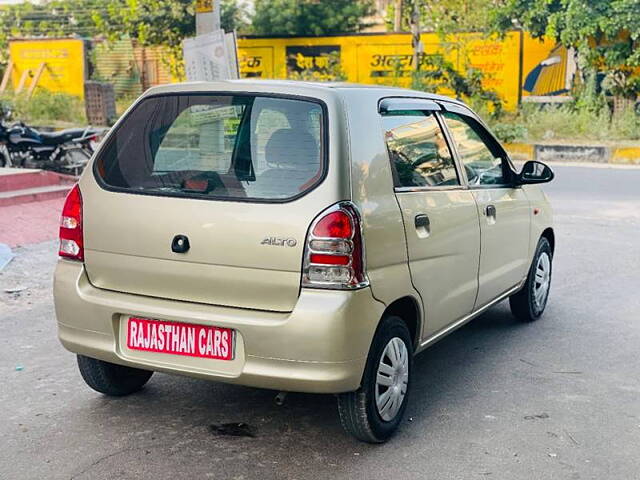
<point x="542" y="281"/>
<point x="392" y="379"/>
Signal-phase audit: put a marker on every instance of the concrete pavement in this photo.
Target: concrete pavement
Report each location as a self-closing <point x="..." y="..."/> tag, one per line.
<point x="557" y="399"/>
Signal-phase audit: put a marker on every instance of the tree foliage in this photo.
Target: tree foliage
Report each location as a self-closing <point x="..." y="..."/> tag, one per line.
<point x="150" y="22"/>
<point x="310" y="17"/>
<point x="445" y="16"/>
<point x="606" y="33"/>
<point x="436" y="73"/>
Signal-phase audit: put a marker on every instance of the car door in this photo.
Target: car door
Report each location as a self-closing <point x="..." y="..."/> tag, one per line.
<point x="439" y="213"/>
<point x="503" y="208"/>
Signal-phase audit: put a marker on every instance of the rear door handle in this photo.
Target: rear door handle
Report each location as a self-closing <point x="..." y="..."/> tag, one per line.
<point x="422" y="221"/>
<point x="490" y="211"/>
<point x="423" y="225"/>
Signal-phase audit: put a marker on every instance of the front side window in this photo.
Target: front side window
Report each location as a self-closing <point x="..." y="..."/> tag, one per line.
<point x="217" y="146"/>
<point x="418" y="150"/>
<point x="481" y="158"/>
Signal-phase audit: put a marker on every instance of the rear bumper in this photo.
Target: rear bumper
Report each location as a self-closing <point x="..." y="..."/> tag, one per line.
<point x="320" y="347"/>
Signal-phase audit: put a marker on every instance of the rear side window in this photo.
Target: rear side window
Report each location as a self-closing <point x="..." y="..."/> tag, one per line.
<point x="224" y="147"/>
<point x="419" y="153"/>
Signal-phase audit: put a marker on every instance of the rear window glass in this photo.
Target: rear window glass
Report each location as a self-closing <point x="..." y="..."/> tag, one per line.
<point x="226" y="147"/>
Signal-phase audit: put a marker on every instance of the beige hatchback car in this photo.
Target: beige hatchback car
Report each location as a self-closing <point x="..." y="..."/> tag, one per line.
<point x="295" y="236"/>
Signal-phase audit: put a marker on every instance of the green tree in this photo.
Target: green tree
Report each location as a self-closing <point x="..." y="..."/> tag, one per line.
<point x="233" y="16"/>
<point x="150" y="22"/>
<point x="606" y="34"/>
<point x="445" y="16"/>
<point x="436" y="73"/>
<point x="310" y="17"/>
<point x="57" y="18"/>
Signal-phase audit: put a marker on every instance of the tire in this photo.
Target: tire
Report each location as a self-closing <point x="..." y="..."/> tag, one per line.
<point x="110" y="379"/>
<point x="529" y="303"/>
<point x="358" y="411"/>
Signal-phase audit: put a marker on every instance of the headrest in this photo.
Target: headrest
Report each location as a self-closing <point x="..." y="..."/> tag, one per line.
<point x="293" y="149"/>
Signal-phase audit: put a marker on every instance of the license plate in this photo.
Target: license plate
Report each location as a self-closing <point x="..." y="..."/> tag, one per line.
<point x="180" y="338"/>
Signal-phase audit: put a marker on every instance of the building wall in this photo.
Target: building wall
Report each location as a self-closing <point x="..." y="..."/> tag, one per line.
<point x="515" y="66"/>
<point x="387" y="58"/>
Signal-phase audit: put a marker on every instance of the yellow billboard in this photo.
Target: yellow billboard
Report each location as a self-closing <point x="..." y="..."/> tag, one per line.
<point x="387" y="59"/>
<point x="61" y="61"/>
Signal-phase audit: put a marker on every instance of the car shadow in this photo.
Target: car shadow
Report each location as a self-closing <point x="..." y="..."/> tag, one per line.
<point x="181" y="414"/>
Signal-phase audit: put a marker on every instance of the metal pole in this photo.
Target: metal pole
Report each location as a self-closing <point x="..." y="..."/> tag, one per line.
<point x="397" y="18"/>
<point x="211" y="141"/>
<point x="415" y="35"/>
<point x="207" y="16"/>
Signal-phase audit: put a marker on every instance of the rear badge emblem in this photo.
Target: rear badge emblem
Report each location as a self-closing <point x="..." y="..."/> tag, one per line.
<point x="279" y="242"/>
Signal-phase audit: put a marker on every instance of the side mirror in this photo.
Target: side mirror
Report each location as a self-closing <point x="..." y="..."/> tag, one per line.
<point x="535" y="172"/>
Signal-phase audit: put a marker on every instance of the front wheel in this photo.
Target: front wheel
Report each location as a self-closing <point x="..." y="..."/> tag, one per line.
<point x="374" y="412"/>
<point x="5" y="156"/>
<point x="529" y="303"/>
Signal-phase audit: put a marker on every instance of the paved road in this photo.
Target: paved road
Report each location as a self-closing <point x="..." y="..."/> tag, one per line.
<point x="559" y="399"/>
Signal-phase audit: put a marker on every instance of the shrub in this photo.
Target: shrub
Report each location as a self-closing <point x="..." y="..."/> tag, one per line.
<point x="45" y="107"/>
<point x="625" y="125"/>
<point x="510" y="132"/>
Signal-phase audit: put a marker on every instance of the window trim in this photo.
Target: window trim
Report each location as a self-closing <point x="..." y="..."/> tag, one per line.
<point x="324" y="148"/>
<point x="400" y="104"/>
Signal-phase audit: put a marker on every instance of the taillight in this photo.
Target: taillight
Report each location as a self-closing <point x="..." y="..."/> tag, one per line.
<point x="334" y="250"/>
<point x="71" y="238"/>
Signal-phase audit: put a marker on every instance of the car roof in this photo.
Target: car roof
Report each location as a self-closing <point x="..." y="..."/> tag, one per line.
<point x="295" y="86"/>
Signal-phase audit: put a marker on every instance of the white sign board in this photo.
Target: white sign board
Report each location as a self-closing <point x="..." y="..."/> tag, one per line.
<point x="231" y="45"/>
<point x="205" y="58"/>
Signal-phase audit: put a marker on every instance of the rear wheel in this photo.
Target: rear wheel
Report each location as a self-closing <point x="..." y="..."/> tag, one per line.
<point x="529" y="303"/>
<point x="111" y="379"/>
<point x="374" y="412"/>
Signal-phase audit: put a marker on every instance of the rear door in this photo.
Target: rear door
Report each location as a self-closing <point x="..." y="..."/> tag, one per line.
<point x="439" y="213"/>
<point x="207" y="198"/>
<point x="503" y="208"/>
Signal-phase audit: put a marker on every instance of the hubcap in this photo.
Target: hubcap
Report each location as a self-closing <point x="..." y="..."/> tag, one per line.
<point x="542" y="281"/>
<point x="392" y="379"/>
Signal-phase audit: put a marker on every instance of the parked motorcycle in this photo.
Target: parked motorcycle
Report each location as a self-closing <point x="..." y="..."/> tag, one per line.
<point x="66" y="151"/>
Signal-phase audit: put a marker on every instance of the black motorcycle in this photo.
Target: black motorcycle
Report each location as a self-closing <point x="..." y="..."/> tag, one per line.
<point x="66" y="151"/>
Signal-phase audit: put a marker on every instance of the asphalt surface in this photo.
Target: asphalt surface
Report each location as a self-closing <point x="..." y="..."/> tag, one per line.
<point x="557" y="399"/>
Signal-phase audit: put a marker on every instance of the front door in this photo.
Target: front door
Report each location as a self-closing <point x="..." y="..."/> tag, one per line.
<point x="503" y="209"/>
<point x="440" y="216"/>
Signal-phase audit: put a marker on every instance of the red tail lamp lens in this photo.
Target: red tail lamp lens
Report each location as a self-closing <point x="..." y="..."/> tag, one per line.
<point x="323" y="259"/>
<point x="71" y="237"/>
<point x="334" y="225"/>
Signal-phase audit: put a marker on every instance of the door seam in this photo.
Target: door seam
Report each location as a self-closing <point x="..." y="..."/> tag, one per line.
<point x="475" y="200"/>
<point x="406" y="248"/>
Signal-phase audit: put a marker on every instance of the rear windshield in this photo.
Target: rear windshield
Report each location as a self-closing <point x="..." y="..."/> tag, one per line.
<point x="217" y="146"/>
